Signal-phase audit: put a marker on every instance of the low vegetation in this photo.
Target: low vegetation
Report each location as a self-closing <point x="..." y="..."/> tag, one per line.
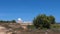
<point x="12" y="21"/>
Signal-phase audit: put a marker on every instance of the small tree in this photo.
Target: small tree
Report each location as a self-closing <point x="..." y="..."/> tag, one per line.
<point x="42" y="21"/>
<point x="13" y="21"/>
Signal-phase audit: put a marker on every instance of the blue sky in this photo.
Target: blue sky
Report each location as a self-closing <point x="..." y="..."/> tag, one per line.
<point x="28" y="9"/>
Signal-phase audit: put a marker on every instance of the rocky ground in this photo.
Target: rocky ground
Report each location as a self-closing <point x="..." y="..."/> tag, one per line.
<point x="13" y="28"/>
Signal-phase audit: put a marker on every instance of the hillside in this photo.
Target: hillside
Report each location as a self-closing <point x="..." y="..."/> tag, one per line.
<point x="15" y="28"/>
